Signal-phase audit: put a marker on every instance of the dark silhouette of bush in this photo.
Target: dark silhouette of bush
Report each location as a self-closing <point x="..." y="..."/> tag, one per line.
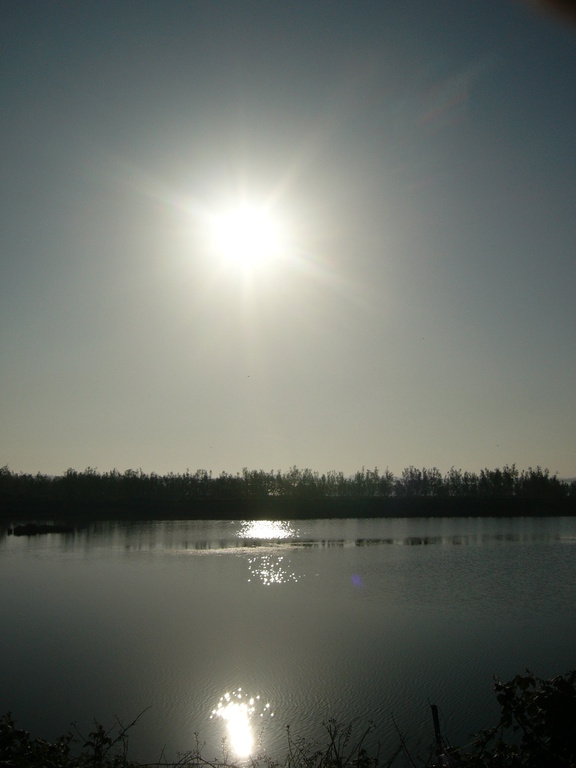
<point x="536" y="727"/>
<point x="297" y="492"/>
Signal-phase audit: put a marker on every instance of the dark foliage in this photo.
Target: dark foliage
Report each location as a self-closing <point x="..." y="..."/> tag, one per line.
<point x="102" y="748"/>
<point x="291" y="494"/>
<point x="537" y="727"/>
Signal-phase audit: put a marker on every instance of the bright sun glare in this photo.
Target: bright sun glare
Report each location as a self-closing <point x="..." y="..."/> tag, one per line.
<point x="247" y="235"/>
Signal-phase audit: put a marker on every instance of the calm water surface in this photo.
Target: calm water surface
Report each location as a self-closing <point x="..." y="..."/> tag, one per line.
<point x="240" y="629"/>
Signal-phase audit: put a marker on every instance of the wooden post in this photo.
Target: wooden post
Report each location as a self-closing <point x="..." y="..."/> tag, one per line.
<point x="437" y="734"/>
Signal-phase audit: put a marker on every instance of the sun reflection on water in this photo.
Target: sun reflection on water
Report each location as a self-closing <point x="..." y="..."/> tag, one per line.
<point x="271" y="569"/>
<point x="237" y="710"/>
<point x="267" y="529"/>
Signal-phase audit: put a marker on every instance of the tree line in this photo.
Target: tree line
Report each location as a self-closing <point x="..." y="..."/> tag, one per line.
<point x="114" y="487"/>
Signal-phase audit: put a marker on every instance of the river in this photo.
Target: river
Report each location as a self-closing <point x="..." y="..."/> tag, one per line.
<point x="239" y="629"/>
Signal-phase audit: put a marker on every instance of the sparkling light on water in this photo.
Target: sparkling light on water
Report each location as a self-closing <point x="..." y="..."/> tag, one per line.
<point x="237" y="710"/>
<point x="267" y="529"/>
<point x="271" y="569"/>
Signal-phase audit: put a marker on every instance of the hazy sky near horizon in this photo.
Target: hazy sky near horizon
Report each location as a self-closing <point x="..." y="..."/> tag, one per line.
<point x="421" y="309"/>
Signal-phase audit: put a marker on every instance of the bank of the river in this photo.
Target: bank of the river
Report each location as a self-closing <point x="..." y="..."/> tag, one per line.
<point x="281" y="508"/>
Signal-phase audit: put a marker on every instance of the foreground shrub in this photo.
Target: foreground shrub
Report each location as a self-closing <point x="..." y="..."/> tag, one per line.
<point x="537" y="727"/>
<point x="101" y="749"/>
<point x="344" y="748"/>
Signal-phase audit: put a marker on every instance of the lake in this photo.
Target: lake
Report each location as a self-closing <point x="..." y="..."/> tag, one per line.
<point x="239" y="629"/>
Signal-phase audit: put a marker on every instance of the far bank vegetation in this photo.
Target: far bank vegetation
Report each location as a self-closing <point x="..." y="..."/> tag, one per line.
<point x="506" y="490"/>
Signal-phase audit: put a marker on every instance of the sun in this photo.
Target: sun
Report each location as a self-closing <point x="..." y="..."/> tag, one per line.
<point x="246" y="235"/>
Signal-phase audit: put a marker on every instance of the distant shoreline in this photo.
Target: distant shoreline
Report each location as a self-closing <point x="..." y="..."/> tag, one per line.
<point x="281" y="508"/>
<point x="297" y="494"/>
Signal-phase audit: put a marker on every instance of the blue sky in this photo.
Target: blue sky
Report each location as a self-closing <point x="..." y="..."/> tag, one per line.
<point x="421" y="159"/>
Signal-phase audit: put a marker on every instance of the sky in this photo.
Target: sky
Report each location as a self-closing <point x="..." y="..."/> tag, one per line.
<point x="416" y="304"/>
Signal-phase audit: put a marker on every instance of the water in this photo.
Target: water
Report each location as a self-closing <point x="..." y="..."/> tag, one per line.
<point x="240" y="629"/>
